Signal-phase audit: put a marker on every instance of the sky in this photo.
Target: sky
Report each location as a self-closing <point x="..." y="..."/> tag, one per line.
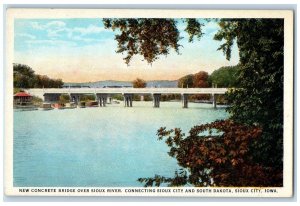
<point x="82" y="50"/>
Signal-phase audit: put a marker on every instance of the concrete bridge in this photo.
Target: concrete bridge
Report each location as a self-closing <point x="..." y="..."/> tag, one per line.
<point x="101" y="94"/>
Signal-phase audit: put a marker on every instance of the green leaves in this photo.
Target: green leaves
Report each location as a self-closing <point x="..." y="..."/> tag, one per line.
<point x="193" y="29"/>
<point x="228" y="32"/>
<point x="25" y="77"/>
<point x="226" y="76"/>
<point x="149" y="37"/>
<point x="186" y="81"/>
<point x="260" y="102"/>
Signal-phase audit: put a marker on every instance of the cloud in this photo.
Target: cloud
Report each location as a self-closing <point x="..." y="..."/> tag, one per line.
<point x="56" y="24"/>
<point x="87" y="40"/>
<point x="55" y="32"/>
<point x="81" y="33"/>
<point x="91" y="29"/>
<point x="51" y="42"/>
<point x="59" y="29"/>
<point x="51" y="24"/>
<point x="53" y="28"/>
<point x="26" y="36"/>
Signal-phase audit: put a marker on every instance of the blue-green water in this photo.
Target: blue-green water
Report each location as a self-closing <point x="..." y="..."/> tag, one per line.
<point x="99" y="147"/>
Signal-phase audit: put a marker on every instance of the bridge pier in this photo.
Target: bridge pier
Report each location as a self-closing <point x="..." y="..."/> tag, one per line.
<point x="156" y="100"/>
<point x="214" y="100"/>
<point x="128" y="98"/>
<point x="109" y="99"/>
<point x="102" y="99"/>
<point x="75" y="98"/>
<point x="184" y="99"/>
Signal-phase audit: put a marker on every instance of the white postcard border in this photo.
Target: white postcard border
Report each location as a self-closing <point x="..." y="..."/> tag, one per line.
<point x="285" y="191"/>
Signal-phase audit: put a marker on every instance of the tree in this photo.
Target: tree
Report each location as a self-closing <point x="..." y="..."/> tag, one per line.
<point x="25" y="77"/>
<point x="186" y="81"/>
<point x="221" y="158"/>
<point x="64" y="98"/>
<point x="225" y="77"/>
<point x="139" y="83"/>
<point x="89" y="97"/>
<point x="149" y="37"/>
<point x="256" y="106"/>
<point x="23" y="69"/>
<point x="200" y="80"/>
<point x="260" y="101"/>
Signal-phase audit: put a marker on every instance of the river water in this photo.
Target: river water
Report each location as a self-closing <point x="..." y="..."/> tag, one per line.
<point x="99" y="147"/>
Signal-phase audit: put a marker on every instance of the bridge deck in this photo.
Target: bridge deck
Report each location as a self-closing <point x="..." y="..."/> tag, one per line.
<point x="128" y="90"/>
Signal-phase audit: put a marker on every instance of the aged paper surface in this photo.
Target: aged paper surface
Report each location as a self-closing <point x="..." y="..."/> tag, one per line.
<point x="41" y="19"/>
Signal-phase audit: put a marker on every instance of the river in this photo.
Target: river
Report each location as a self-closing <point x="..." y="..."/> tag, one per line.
<point x="99" y="147"/>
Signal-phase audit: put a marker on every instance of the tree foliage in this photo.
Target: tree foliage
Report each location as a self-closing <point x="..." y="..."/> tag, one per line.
<point x="260" y="101"/>
<point x="225" y="77"/>
<point x="43" y="81"/>
<point x="64" y="98"/>
<point x="186" y="81"/>
<point x="25" y="77"/>
<point x="149" y="37"/>
<point x="139" y="83"/>
<point x="169" y="97"/>
<point x="228" y="32"/>
<point x="216" y="154"/>
<point x="200" y="80"/>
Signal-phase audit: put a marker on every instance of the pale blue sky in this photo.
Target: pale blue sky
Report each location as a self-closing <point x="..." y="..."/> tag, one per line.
<point x="81" y="50"/>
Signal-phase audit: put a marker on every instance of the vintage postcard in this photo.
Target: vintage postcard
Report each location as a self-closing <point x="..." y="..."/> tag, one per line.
<point x="193" y="103"/>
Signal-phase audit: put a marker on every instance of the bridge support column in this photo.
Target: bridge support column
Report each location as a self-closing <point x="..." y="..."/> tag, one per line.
<point x="99" y="101"/>
<point x="109" y="99"/>
<point x="70" y="98"/>
<point x="128" y="98"/>
<point x="75" y="98"/>
<point x="156" y="100"/>
<point x="184" y="99"/>
<point x="214" y="100"/>
<point x="102" y="99"/>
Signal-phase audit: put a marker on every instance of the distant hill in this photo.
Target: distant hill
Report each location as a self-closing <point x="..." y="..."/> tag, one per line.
<point x="100" y="84"/>
<point x="162" y="83"/>
<point x="110" y="83"/>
